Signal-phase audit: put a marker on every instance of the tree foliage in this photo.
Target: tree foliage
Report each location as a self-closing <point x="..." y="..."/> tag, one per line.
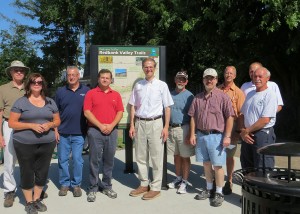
<point x="15" y="45"/>
<point x="197" y="33"/>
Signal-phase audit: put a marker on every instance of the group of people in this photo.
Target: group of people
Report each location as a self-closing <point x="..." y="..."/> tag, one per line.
<point x="33" y="124"/>
<point x="208" y="125"/>
<point x="220" y="117"/>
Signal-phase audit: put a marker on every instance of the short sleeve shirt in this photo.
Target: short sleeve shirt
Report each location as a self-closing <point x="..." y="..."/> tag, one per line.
<point x="33" y="114"/>
<point x="260" y="104"/>
<point x="210" y="112"/>
<point x="150" y="97"/>
<point x="179" y="111"/>
<point x="236" y="96"/>
<point x="249" y="86"/>
<point x="104" y="106"/>
<point x="8" y="95"/>
<point x="70" y="105"/>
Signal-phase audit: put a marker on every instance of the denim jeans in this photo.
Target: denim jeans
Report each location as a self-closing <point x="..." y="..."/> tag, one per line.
<point x="68" y="144"/>
<point x="209" y="148"/>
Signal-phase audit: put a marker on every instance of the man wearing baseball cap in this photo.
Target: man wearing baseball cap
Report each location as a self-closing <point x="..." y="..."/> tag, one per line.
<point x="9" y="93"/>
<point x="211" y="119"/>
<point x="178" y="140"/>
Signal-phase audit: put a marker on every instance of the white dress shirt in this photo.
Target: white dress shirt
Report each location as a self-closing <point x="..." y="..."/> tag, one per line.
<point x="150" y="97"/>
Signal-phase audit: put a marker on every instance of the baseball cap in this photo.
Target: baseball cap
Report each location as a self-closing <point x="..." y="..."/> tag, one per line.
<point x="210" y="72"/>
<point x="182" y="74"/>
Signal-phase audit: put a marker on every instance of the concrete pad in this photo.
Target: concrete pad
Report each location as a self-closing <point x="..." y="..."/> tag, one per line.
<point x="168" y="203"/>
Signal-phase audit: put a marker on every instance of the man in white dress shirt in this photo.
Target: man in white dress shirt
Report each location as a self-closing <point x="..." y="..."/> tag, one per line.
<point x="149" y="98"/>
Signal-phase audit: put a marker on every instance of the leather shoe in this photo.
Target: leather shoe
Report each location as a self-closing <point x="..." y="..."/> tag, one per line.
<point x="151" y="195"/>
<point x="63" y="191"/>
<point x="139" y="191"/>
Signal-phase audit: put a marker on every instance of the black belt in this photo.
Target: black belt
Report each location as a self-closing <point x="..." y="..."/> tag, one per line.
<point x="5" y="119"/>
<point x="174" y="125"/>
<point x="207" y="132"/>
<point x="148" y="119"/>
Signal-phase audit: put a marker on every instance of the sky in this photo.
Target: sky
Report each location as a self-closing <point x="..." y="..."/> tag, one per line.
<point x="8" y="10"/>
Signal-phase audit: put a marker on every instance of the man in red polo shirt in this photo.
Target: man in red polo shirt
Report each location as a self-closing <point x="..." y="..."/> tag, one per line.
<point x="103" y="109"/>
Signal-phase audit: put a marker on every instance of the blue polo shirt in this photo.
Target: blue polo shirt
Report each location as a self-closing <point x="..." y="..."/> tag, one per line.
<point x="70" y="106"/>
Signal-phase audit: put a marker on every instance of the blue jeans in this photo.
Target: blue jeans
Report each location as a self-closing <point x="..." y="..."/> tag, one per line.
<point x="68" y="144"/>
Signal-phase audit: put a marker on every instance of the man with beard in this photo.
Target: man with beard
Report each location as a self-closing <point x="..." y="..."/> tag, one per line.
<point x="212" y="120"/>
<point x="178" y="143"/>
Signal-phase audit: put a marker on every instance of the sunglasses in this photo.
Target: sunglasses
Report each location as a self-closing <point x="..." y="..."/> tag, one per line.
<point x="33" y="82"/>
<point x="18" y="70"/>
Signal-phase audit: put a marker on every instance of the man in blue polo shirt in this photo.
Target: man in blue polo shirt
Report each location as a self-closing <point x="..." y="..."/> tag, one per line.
<point x="69" y="100"/>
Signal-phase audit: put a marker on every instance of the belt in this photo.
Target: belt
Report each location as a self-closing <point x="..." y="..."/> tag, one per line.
<point x="148" y="119"/>
<point x="266" y="130"/>
<point x="207" y="132"/>
<point x="5" y="119"/>
<point x="174" y="125"/>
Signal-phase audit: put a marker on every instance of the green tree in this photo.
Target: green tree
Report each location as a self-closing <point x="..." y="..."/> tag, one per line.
<point x="15" y="45"/>
<point x="61" y="25"/>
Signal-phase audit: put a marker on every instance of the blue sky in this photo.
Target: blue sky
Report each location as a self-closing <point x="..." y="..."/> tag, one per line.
<point x="11" y="12"/>
<point x="8" y="10"/>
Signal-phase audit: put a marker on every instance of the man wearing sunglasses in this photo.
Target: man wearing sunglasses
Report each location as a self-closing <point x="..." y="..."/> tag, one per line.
<point x="9" y="93"/>
<point x="178" y="140"/>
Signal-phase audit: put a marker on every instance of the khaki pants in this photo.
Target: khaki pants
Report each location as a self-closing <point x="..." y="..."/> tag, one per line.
<point x="9" y="182"/>
<point x="149" y="145"/>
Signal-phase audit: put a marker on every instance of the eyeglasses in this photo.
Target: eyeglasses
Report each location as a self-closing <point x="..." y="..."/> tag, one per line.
<point x="33" y="82"/>
<point x="18" y="70"/>
<point x="211" y="78"/>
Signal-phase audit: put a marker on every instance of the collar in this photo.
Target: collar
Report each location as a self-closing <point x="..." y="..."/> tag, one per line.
<point x="211" y="93"/>
<point x="151" y="81"/>
<point x="98" y="89"/>
<point x="80" y="86"/>
<point x="232" y="86"/>
<point x="13" y="86"/>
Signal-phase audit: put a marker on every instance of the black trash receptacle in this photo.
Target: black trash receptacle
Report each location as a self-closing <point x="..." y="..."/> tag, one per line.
<point x="269" y="190"/>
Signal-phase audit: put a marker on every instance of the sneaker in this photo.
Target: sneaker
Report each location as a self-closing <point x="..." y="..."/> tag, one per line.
<point x="217" y="200"/>
<point x="91" y="197"/>
<point x="40" y="206"/>
<point x="77" y="191"/>
<point x="204" y="195"/>
<point x="175" y="183"/>
<point x="63" y="191"/>
<point x="9" y="199"/>
<point x="227" y="189"/>
<point x="30" y="208"/>
<point x="182" y="188"/>
<point x="110" y="193"/>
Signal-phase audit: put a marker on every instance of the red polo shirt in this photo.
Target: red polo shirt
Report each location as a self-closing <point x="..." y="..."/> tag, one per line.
<point x="104" y="106"/>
